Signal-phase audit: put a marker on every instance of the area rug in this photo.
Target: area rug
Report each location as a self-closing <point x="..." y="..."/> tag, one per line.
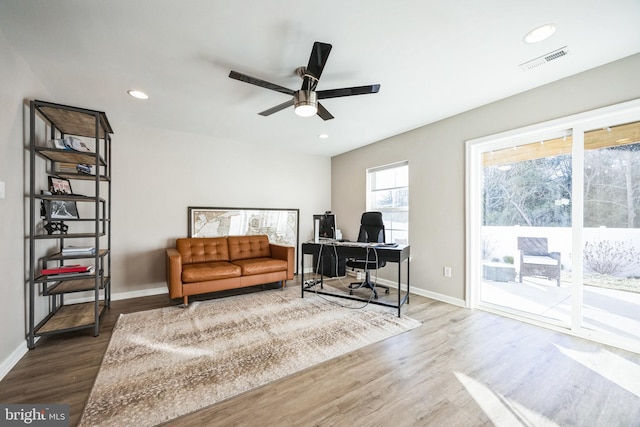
<point x="164" y="363"/>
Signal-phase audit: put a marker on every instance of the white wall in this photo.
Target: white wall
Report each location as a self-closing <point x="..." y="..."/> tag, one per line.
<point x="159" y="174"/>
<point x="436" y="155"/>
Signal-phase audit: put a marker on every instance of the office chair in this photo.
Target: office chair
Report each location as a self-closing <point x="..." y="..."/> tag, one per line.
<point x="371" y="231"/>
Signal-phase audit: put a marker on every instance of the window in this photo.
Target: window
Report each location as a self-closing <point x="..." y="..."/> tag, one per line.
<point x="570" y="190"/>
<point x="388" y="192"/>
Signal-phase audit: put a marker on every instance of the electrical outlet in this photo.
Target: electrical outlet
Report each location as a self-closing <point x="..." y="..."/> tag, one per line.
<point x="446" y="271"/>
<point x="1" y="190"/>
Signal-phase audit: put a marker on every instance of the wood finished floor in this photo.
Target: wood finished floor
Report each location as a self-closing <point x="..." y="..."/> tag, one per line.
<point x="460" y="368"/>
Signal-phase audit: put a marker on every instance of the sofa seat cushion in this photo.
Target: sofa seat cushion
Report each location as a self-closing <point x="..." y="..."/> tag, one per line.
<point x="539" y="260"/>
<point x="205" y="271"/>
<point x="253" y="266"/>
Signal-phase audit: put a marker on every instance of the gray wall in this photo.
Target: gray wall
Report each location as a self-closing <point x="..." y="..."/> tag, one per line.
<point x="18" y="84"/>
<point x="436" y="155"/>
<point x="157" y="174"/>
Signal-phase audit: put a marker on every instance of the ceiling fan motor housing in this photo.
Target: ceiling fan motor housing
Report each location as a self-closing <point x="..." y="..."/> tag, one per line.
<point x="305" y="102"/>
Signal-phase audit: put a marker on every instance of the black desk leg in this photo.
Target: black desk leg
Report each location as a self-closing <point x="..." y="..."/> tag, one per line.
<point x="302" y="277"/>
<point x="408" y="279"/>
<point x="399" y="286"/>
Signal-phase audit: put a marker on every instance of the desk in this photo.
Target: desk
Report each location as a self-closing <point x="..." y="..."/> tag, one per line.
<point x="397" y="254"/>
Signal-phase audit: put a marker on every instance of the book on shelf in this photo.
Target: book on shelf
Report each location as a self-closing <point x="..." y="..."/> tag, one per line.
<point x="78" y="250"/>
<point x="65" y="167"/>
<point x="68" y="143"/>
<point x="73" y="168"/>
<point x="82" y="168"/>
<point x="67" y="269"/>
<point x="75" y="144"/>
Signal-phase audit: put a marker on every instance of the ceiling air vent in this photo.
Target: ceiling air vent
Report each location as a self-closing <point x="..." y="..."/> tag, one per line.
<point x="558" y="53"/>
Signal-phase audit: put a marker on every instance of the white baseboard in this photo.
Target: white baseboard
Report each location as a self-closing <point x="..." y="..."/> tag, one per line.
<point x="11" y="361"/>
<point x="123" y="295"/>
<point x="138" y="294"/>
<point x="439" y="297"/>
<point x="427" y="294"/>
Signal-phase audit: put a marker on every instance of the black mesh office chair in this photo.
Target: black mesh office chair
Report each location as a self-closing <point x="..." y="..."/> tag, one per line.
<point x="371" y="231"/>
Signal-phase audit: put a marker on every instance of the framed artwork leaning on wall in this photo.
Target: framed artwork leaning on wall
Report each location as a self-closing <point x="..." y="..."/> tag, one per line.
<point x="281" y="225"/>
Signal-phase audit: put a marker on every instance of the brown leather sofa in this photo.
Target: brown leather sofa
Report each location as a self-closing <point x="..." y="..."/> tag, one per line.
<point x="202" y="265"/>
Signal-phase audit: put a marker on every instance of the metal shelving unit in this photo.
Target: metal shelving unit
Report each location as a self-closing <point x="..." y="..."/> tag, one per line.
<point x="61" y="121"/>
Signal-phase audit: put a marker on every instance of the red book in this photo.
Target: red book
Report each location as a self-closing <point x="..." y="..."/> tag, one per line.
<point x="77" y="268"/>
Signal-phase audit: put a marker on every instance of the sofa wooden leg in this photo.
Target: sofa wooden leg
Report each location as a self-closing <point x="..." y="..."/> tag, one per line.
<point x="185" y="301"/>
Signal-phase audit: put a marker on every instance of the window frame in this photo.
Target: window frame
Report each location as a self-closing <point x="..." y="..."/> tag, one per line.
<point x="390" y="230"/>
<point x="580" y="125"/>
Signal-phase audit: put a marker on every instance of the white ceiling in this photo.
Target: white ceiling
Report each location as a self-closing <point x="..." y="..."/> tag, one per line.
<point x="433" y="59"/>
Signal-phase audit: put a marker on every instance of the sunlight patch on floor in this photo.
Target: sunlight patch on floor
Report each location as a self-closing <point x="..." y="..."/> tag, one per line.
<point x="189" y="352"/>
<point x="501" y="410"/>
<point x="616" y="369"/>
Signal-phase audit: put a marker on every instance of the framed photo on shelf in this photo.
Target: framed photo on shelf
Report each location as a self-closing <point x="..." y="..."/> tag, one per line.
<point x="60" y="210"/>
<point x="59" y="185"/>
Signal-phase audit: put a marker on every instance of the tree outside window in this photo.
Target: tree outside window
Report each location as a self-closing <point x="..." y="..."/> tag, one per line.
<point x="388" y="192"/>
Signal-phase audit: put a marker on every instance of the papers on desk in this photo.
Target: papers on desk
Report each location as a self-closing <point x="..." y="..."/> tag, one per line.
<point x="331" y="242"/>
<point x="359" y="244"/>
<point x="366" y="244"/>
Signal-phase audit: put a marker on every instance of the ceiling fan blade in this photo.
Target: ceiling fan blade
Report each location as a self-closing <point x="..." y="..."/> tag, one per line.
<point x="323" y="113"/>
<point x="348" y="91"/>
<point x="277" y="108"/>
<point x="259" y="82"/>
<point x="317" y="60"/>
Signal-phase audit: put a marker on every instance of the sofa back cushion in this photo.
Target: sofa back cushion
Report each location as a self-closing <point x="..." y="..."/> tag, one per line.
<point x="203" y="249"/>
<point x="244" y="247"/>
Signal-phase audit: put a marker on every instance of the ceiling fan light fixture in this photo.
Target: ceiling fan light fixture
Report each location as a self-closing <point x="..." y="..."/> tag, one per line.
<point x="305" y="102"/>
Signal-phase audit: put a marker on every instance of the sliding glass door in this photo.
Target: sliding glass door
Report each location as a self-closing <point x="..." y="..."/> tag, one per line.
<point x="526" y="227"/>
<point x="554" y="224"/>
<point x="611" y="230"/>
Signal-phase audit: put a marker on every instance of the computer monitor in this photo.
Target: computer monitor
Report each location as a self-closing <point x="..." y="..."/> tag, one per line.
<point x="326" y="224"/>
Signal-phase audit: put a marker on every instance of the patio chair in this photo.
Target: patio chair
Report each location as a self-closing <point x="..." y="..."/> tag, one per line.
<point x="536" y="260"/>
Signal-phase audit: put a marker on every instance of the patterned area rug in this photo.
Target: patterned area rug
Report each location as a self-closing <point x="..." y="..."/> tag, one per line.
<point x="165" y="363"/>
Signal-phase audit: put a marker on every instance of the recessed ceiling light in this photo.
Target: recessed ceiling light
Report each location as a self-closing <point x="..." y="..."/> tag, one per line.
<point x="323" y="136"/>
<point x="138" y="94"/>
<point x="540" y="33"/>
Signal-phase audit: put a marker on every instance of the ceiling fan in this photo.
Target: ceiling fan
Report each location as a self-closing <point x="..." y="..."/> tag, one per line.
<point x="305" y="100"/>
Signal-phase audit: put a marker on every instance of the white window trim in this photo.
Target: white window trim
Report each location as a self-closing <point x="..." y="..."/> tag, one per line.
<point x="625" y="112"/>
<point x="380" y="169"/>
